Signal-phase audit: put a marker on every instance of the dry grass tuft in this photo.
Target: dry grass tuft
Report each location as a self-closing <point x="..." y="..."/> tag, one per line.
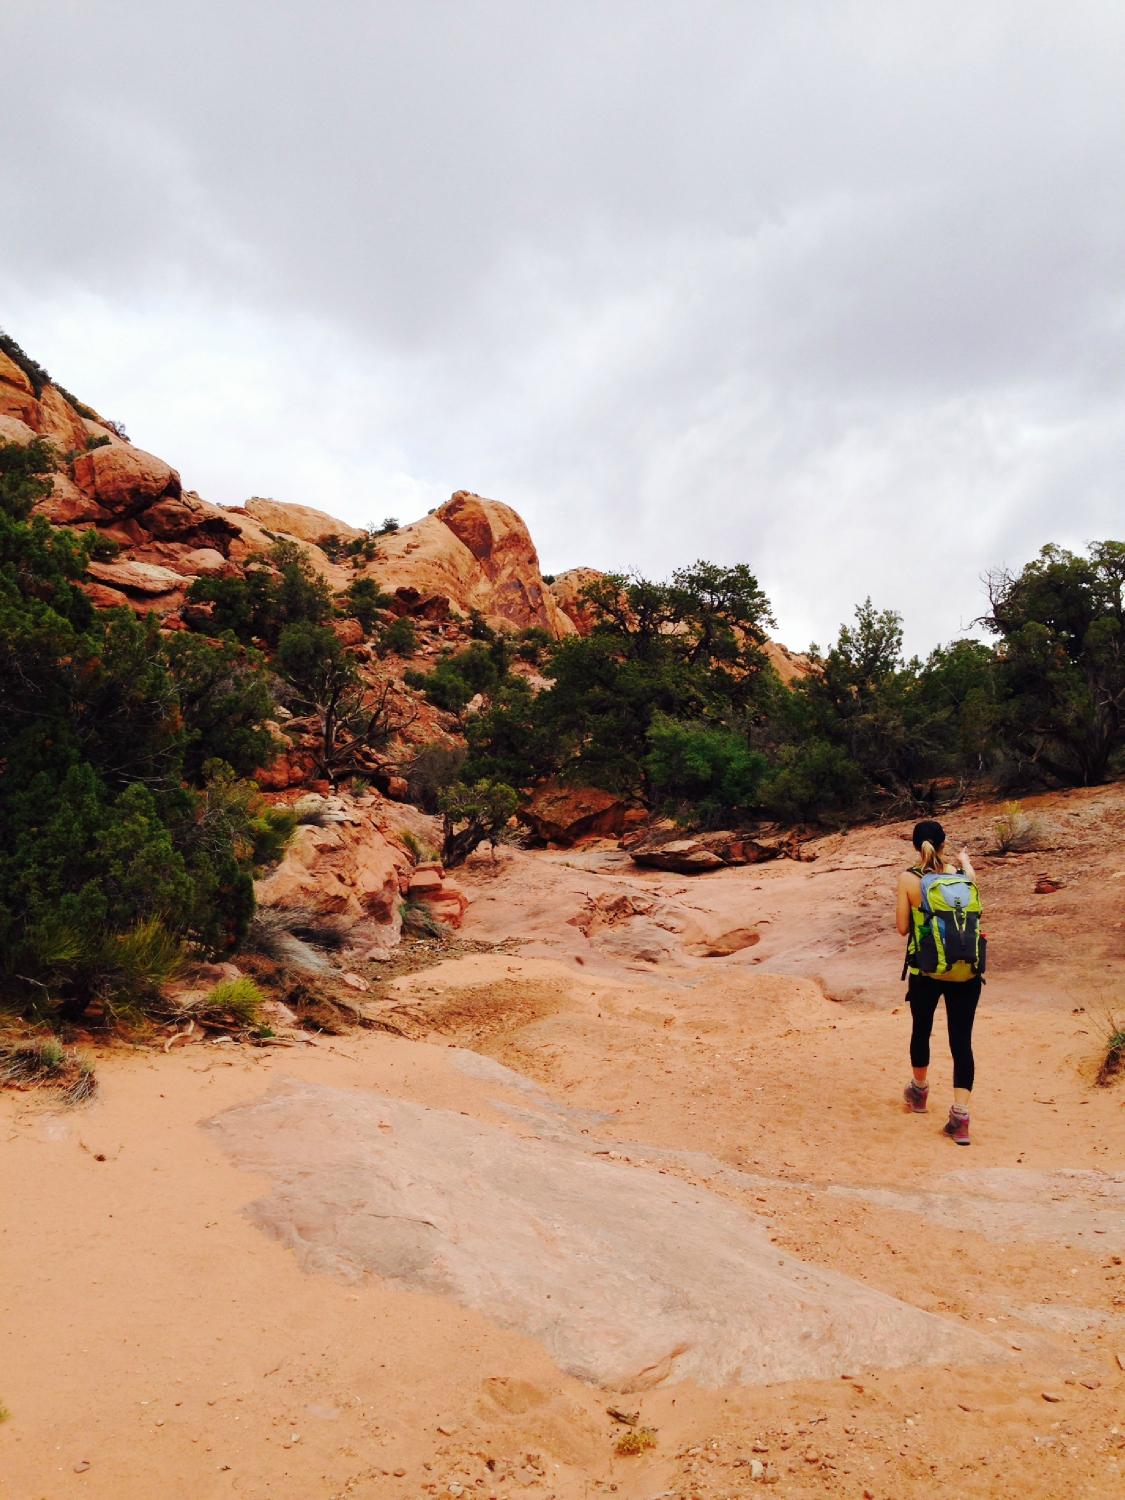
<point x="46" y="1063"/>
<point x="1113" y="1064"/>
<point x="637" y="1440"/>
<point x="1018" y="832"/>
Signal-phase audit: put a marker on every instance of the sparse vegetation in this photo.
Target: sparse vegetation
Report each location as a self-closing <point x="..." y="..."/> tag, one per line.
<point x="418" y="919"/>
<point x="1017" y="832"/>
<point x="296" y="937"/>
<point x="46" y="1063"/>
<point x="1113" y="1063"/>
<point x="637" y="1440"/>
<point x="432" y="769"/>
<point x="417" y="848"/>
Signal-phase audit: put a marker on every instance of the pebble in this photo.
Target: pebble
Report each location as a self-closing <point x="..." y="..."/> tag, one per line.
<point x="81" y="1466"/>
<point x="758" y="1448"/>
<point x="1051" y="1396"/>
<point x="1091" y="1385"/>
<point x="757" y="1468"/>
<point x="448" y="1431"/>
<point x="400" y="1473"/>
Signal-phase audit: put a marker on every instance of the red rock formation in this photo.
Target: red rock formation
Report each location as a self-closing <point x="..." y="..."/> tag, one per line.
<point x="470" y="554"/>
<point x="567" y="594"/>
<point x="565" y="814"/>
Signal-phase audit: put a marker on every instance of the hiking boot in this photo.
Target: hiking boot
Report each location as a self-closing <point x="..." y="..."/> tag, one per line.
<point x="957" y="1128"/>
<point x="917" y="1096"/>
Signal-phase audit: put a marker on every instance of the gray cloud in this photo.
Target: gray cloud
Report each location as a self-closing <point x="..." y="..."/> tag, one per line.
<point x="831" y="288"/>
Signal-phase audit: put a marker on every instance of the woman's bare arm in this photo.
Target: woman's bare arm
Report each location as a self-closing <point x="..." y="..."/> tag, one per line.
<point x="903" y="905"/>
<point x="966" y="864"/>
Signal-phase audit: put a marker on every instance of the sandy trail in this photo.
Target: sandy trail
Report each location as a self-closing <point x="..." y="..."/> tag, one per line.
<point x="196" y="1314"/>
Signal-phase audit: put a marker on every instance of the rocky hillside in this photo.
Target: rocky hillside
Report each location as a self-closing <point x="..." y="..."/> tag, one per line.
<point x="470" y="555"/>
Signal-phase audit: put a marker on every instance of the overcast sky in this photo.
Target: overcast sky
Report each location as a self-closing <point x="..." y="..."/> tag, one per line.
<point x="834" y="289"/>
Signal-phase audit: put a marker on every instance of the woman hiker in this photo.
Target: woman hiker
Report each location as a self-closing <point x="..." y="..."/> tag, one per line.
<point x="945" y="956"/>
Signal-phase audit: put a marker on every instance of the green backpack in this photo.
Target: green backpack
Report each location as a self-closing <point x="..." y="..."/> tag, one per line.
<point x="945" y="940"/>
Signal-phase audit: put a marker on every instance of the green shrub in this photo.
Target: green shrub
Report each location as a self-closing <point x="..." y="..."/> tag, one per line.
<point x="365" y="602"/>
<point x="110" y="862"/>
<point x="531" y="644"/>
<point x="711" y="769"/>
<point x="473" y="815"/>
<point x="815" y="781"/>
<point x="226" y="696"/>
<point x="271" y="828"/>
<point x="274" y="591"/>
<point x="400" y="637"/>
<point x="454" y="682"/>
<point x="479" y="628"/>
<point x="240" y="999"/>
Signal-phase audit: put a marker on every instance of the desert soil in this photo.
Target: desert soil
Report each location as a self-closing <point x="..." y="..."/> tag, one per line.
<point x="652" y="1157"/>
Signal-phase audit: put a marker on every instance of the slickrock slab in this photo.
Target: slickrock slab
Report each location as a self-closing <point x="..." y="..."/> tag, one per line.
<point x="629" y="1278"/>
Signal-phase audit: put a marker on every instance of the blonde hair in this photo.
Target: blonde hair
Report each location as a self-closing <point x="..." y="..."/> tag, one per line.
<point x="931" y="857"/>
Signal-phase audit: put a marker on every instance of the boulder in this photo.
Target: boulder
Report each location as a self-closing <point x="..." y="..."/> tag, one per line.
<point x="67" y="505"/>
<point x="663" y="847"/>
<point x="124" y="479"/>
<point x="102" y="597"/>
<point x="136" y="577"/>
<point x="564" y="814"/>
<point x="291" y="768"/>
<point x="201" y="562"/>
<point x="347" y="869"/>
<point x="723" y="944"/>
<point x="347" y="632"/>
<point x="13" y="429"/>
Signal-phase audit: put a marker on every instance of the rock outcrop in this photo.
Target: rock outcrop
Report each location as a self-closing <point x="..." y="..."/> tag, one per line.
<point x="347" y="867"/>
<point x="566" y="590"/>
<point x="469" y="554"/>
<point x="663" y="847"/>
<point x="564" y="814"/>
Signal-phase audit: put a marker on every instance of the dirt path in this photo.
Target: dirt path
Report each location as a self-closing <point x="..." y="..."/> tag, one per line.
<point x="601" y="1172"/>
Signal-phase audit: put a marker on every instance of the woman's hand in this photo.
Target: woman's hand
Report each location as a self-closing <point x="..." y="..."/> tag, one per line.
<point x="965" y="863"/>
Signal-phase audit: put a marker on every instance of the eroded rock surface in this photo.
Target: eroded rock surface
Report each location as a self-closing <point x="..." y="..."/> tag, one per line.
<point x="627" y="1277"/>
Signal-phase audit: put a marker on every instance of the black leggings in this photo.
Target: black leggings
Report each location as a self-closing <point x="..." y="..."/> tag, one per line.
<point x="961" y="998"/>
